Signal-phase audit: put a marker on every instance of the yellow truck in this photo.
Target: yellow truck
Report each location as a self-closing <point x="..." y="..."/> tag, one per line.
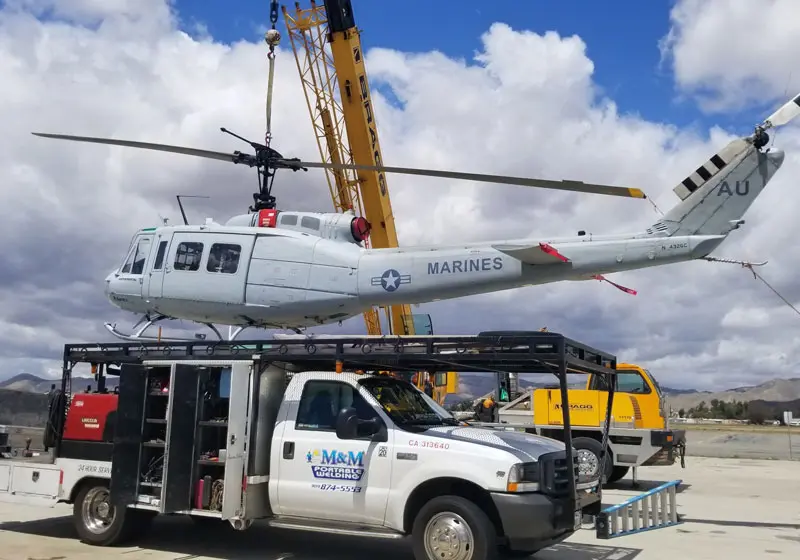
<point x="640" y="434"/>
<point x="443" y="383"/>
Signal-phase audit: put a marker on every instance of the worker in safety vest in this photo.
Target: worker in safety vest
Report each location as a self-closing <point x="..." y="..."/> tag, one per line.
<point x="485" y="410"/>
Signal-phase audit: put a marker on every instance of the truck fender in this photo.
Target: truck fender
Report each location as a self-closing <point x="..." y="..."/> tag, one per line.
<point x="423" y="484"/>
<point x="79" y="484"/>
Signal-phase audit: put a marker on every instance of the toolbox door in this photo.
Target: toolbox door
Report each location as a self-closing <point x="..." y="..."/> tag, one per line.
<point x="128" y="434"/>
<point x="235" y="457"/>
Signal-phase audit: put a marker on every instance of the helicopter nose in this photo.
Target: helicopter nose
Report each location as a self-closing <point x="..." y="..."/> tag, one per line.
<point x="109" y="288"/>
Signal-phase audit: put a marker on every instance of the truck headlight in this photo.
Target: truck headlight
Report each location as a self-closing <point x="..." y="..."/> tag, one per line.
<point x="523" y="477"/>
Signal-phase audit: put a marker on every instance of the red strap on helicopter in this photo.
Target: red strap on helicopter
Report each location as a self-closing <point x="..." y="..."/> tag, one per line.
<point x="552" y="251"/>
<point x="602" y="278"/>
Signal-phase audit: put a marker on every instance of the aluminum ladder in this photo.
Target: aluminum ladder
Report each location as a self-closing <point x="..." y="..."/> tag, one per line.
<point x="654" y="509"/>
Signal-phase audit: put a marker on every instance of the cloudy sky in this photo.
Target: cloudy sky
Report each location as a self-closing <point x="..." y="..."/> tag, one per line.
<point x="620" y="94"/>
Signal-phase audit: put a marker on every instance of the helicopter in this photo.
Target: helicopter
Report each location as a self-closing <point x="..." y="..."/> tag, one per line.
<point x="292" y="270"/>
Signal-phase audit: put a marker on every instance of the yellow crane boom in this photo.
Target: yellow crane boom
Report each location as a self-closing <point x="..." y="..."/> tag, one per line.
<point x="323" y="71"/>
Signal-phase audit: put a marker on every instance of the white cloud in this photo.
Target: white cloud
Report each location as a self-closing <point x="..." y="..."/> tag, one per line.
<point x="731" y="53"/>
<point x="527" y="106"/>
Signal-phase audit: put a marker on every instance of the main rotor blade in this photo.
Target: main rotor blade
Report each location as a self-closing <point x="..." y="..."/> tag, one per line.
<point x="575" y="186"/>
<point x="238" y="157"/>
<point x="147" y="146"/>
<point x="785" y="114"/>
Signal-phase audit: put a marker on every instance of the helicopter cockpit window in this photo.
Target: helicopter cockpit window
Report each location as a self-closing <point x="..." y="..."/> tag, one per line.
<point x="224" y="258"/>
<point x="188" y="255"/>
<point x="288" y="219"/>
<point x="310" y="222"/>
<point x="136" y="259"/>
<point x="126" y="266"/>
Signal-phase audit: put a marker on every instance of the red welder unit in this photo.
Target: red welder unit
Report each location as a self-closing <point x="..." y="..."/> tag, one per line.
<point x="88" y="415"/>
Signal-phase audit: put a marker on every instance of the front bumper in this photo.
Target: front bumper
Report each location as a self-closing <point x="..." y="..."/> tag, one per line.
<point x="533" y="521"/>
<point x="672" y="444"/>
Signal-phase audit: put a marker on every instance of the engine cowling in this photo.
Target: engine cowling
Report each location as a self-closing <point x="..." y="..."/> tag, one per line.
<point x="262" y="218"/>
<point x="346" y="227"/>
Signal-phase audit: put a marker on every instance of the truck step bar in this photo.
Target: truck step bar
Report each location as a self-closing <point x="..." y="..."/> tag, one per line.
<point x="332" y="527"/>
<point x="654" y="509"/>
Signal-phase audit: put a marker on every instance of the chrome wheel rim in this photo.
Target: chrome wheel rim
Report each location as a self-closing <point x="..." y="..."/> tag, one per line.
<point x="97" y="512"/>
<point x="448" y="537"/>
<point x="588" y="463"/>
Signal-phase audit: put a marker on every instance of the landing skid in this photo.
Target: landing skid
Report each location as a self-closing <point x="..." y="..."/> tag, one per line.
<point x="145" y="323"/>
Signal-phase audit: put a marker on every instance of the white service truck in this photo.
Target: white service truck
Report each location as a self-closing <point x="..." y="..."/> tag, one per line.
<point x="254" y="432"/>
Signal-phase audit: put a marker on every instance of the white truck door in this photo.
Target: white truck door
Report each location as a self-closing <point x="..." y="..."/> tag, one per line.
<point x="324" y="477"/>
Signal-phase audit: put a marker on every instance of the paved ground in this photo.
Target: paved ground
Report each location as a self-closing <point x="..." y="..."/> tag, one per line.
<point x="733" y="509"/>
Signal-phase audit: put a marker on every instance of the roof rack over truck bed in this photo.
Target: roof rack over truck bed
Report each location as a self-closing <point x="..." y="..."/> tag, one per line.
<point x="532" y="352"/>
<point x="537" y="352"/>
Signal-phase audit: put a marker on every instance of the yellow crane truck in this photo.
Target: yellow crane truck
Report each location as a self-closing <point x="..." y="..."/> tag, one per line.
<point x="640" y="433"/>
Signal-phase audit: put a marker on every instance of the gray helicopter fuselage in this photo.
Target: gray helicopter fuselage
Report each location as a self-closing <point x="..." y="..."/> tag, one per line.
<point x="289" y="279"/>
<point x="284" y="278"/>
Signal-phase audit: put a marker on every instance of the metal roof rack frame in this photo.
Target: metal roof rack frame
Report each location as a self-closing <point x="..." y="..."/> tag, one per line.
<point x="531" y="352"/>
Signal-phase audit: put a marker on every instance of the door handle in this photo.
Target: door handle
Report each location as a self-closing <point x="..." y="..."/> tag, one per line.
<point x="288" y="450"/>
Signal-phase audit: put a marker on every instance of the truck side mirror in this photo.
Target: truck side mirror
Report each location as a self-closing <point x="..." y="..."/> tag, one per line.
<point x="350" y="426"/>
<point x="347" y="423"/>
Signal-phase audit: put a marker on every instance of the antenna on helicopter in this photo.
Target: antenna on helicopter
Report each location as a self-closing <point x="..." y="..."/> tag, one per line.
<point x="180" y="204"/>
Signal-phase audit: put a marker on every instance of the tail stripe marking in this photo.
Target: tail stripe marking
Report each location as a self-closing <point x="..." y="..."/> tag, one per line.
<point x="714" y="165"/>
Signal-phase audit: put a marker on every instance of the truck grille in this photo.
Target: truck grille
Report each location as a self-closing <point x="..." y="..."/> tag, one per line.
<point x="554" y="473"/>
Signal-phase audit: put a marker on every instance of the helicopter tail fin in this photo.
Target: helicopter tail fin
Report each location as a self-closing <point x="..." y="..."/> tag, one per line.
<point x="719" y="205"/>
<point x="711" y="167"/>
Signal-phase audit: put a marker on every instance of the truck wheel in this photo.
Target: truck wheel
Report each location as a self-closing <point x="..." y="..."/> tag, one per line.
<point x="618" y="473"/>
<point x="589" y="451"/>
<point x="455" y="528"/>
<point x="99" y="523"/>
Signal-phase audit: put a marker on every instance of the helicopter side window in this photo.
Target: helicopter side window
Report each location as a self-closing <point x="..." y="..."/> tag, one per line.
<point x="187" y="256"/>
<point x="224" y="258"/>
<point x="310" y="222"/>
<point x="288" y="219"/>
<point x="162" y="249"/>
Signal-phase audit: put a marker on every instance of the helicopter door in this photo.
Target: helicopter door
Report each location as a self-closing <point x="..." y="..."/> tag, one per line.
<point x="131" y="274"/>
<point x="153" y="282"/>
<point x="207" y="267"/>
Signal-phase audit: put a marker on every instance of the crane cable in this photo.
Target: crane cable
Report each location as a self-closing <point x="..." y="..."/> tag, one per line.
<point x="272" y="38"/>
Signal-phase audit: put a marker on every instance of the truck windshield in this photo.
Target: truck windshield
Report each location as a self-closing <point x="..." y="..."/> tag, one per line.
<point x="406" y="405"/>
<point x="655" y="381"/>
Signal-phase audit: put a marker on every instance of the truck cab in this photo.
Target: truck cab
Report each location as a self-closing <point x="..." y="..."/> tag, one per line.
<point x="642" y="393"/>
<point x="375" y="451"/>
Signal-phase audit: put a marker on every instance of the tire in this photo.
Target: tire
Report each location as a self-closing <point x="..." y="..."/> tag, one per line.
<point x="100" y="524"/>
<point x="460" y="518"/>
<point x="618" y="473"/>
<point x="595" y="448"/>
